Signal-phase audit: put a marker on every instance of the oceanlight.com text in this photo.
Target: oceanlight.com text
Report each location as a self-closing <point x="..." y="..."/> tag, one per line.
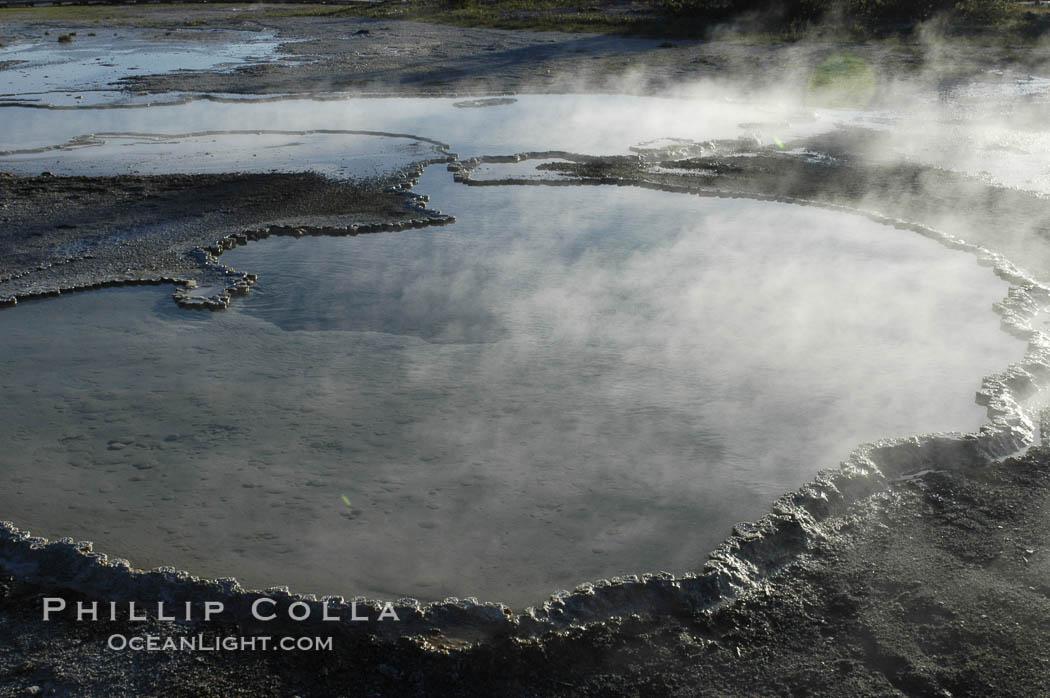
<point x="230" y="643"/>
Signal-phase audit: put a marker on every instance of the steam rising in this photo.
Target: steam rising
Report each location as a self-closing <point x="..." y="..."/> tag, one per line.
<point x="568" y="384"/>
<point x="512" y="406"/>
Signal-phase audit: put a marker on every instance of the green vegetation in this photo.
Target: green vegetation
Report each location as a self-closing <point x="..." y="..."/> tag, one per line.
<point x="774" y="19"/>
<point x="842" y="80"/>
<point x="856" y="16"/>
<point x="870" y="12"/>
<point x="779" y="19"/>
<point x="141" y="15"/>
<point x="538" y="15"/>
<point x="112" y="14"/>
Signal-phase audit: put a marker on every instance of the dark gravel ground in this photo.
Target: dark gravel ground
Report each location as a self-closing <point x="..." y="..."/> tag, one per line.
<point x="332" y="52"/>
<point x="62" y="233"/>
<point x="937" y="586"/>
<point x="1010" y="221"/>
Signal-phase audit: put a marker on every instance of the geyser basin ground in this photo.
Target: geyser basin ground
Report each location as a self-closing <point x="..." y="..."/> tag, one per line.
<point x="568" y="384"/>
<point x="838" y="613"/>
<point x="87" y="69"/>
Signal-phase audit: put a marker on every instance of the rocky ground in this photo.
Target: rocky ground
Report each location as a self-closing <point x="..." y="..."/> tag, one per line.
<point x="61" y="234"/>
<point x="330" y="50"/>
<point x="936" y="586"/>
<point x="829" y="169"/>
<point x="933" y="586"/>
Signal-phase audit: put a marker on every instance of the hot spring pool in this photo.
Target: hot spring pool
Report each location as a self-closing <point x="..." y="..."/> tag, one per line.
<point x="568" y="384"/>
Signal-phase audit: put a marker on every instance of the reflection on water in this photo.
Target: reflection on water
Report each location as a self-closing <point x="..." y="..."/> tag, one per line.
<point x="593" y="124"/>
<point x="85" y="69"/>
<point x="569" y="383"/>
<point x="332" y="153"/>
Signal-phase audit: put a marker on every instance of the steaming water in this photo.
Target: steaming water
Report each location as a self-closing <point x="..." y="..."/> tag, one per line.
<point x="993" y="129"/>
<point x="569" y="383"/>
<point x="592" y="124"/>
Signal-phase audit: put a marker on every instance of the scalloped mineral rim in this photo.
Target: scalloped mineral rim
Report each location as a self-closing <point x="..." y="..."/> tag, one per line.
<point x="751" y="553"/>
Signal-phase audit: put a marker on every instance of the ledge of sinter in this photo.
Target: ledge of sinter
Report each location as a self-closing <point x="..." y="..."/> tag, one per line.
<point x="751" y="554"/>
<point x="201" y="281"/>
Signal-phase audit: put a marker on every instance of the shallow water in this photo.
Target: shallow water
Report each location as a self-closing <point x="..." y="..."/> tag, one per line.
<point x="992" y="128"/>
<point x="333" y="154"/>
<point x="592" y="124"/>
<point x="569" y="383"/>
<point x="85" y="70"/>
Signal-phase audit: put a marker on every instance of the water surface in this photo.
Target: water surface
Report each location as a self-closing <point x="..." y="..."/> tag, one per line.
<point x="86" y="69"/>
<point x="568" y="384"/>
